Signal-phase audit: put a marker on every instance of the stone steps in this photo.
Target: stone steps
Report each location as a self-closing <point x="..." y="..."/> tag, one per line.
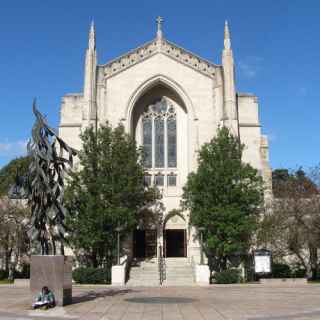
<point x="178" y="273"/>
<point x="144" y="273"/>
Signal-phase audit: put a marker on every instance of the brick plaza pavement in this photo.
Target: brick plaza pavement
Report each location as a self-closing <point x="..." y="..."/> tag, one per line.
<point x="250" y="302"/>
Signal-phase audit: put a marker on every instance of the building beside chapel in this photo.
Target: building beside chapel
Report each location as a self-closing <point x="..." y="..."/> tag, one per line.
<point x="172" y="101"/>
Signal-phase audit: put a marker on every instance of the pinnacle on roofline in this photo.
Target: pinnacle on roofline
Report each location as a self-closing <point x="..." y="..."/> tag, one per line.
<point x="226" y="30"/>
<point x="92" y="27"/>
<point x="92" y="36"/>
<point x="227" y="39"/>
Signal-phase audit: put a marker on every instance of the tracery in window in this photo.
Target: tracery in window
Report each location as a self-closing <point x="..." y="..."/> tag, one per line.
<point x="172" y="142"/>
<point x="171" y="180"/>
<point x="147" y="180"/>
<point x="159" y="142"/>
<point x="159" y="180"/>
<point x="160" y="135"/>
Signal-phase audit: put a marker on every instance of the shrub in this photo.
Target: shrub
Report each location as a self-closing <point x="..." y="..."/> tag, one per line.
<point x="3" y="274"/>
<point x="299" y="273"/>
<point x="281" y="270"/>
<point x="91" y="275"/>
<point x="227" y="276"/>
<point x="24" y="273"/>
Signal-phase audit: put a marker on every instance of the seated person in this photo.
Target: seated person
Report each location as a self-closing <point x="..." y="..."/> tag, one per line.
<point x="45" y="299"/>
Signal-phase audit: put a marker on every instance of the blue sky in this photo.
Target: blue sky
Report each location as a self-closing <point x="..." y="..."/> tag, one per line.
<point x="276" y="48"/>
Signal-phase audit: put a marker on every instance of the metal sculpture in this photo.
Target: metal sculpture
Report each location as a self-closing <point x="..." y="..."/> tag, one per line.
<point x="51" y="157"/>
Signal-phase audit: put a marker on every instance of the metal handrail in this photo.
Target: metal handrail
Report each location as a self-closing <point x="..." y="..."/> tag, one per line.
<point x="161" y="266"/>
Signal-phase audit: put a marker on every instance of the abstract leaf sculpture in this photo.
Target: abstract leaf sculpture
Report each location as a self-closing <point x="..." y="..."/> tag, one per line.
<point x="51" y="157"/>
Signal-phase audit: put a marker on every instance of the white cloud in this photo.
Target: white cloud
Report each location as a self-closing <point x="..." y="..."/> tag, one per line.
<point x="250" y="66"/>
<point x="13" y="148"/>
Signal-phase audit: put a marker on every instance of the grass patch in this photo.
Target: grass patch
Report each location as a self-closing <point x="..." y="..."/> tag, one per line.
<point x="314" y="281"/>
<point x="6" y="281"/>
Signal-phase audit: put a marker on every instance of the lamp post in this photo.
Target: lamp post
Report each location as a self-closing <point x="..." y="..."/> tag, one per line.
<point x="118" y="229"/>
<point x="201" y="229"/>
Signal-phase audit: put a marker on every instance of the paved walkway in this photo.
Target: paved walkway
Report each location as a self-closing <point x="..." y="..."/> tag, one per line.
<point x="250" y="302"/>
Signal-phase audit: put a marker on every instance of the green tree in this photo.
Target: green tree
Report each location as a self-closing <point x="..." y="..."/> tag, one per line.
<point x="9" y="172"/>
<point x="14" y="215"/>
<point x="295" y="180"/>
<point x="292" y="227"/>
<point x="224" y="196"/>
<point x="14" y="243"/>
<point x="105" y="192"/>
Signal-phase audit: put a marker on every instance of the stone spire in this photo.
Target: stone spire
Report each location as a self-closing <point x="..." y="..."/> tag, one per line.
<point x="92" y="37"/>
<point x="159" y="27"/>
<point x="227" y="40"/>
<point x="230" y="116"/>
<point x="89" y="90"/>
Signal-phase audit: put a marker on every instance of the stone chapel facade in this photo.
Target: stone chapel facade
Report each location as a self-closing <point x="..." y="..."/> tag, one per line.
<point x="172" y="101"/>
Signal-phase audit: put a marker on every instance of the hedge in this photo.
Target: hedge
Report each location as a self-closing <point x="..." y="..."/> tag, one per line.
<point x="91" y="275"/>
<point x="227" y="276"/>
<point x="3" y="274"/>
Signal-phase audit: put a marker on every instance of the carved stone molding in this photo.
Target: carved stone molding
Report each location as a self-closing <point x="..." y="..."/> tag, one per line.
<point x="149" y="49"/>
<point x="133" y="57"/>
<point x="188" y="58"/>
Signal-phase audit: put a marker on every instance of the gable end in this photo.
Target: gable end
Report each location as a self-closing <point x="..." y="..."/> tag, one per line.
<point x="149" y="49"/>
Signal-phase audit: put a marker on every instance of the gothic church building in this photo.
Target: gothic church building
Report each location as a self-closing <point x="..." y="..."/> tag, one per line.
<point x="172" y="101"/>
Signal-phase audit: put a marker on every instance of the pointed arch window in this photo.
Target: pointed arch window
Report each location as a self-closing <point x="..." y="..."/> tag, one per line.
<point x="159" y="127"/>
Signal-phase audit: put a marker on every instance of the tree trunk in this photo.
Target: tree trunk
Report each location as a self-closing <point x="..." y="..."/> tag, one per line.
<point x="309" y="271"/>
<point x="313" y="261"/>
<point x="61" y="248"/>
<point x="12" y="265"/>
<point x="94" y="259"/>
<point x="46" y="247"/>
<point x="54" y="247"/>
<point x="302" y="261"/>
<point x="223" y="263"/>
<point x="6" y="252"/>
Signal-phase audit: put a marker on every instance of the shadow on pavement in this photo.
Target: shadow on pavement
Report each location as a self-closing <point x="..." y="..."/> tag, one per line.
<point x="91" y="295"/>
<point x="160" y="300"/>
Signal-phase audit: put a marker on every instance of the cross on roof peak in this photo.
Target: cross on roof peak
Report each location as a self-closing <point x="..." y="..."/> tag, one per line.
<point x="159" y="26"/>
<point x="159" y="22"/>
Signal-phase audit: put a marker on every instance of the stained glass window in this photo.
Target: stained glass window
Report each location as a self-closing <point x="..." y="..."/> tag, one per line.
<point x="159" y="142"/>
<point x="160" y="106"/>
<point x="172" y="180"/>
<point x="172" y="142"/>
<point x="147" y="180"/>
<point x="159" y="180"/>
<point x="160" y="151"/>
<point x="147" y="142"/>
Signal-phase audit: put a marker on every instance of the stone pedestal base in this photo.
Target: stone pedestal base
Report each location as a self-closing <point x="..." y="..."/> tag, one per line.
<point x="22" y="283"/>
<point x="202" y="274"/>
<point x="118" y="275"/>
<point x="55" y="272"/>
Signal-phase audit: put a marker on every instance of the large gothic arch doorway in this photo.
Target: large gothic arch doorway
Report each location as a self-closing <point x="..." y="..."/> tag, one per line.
<point x="159" y="123"/>
<point x="175" y="236"/>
